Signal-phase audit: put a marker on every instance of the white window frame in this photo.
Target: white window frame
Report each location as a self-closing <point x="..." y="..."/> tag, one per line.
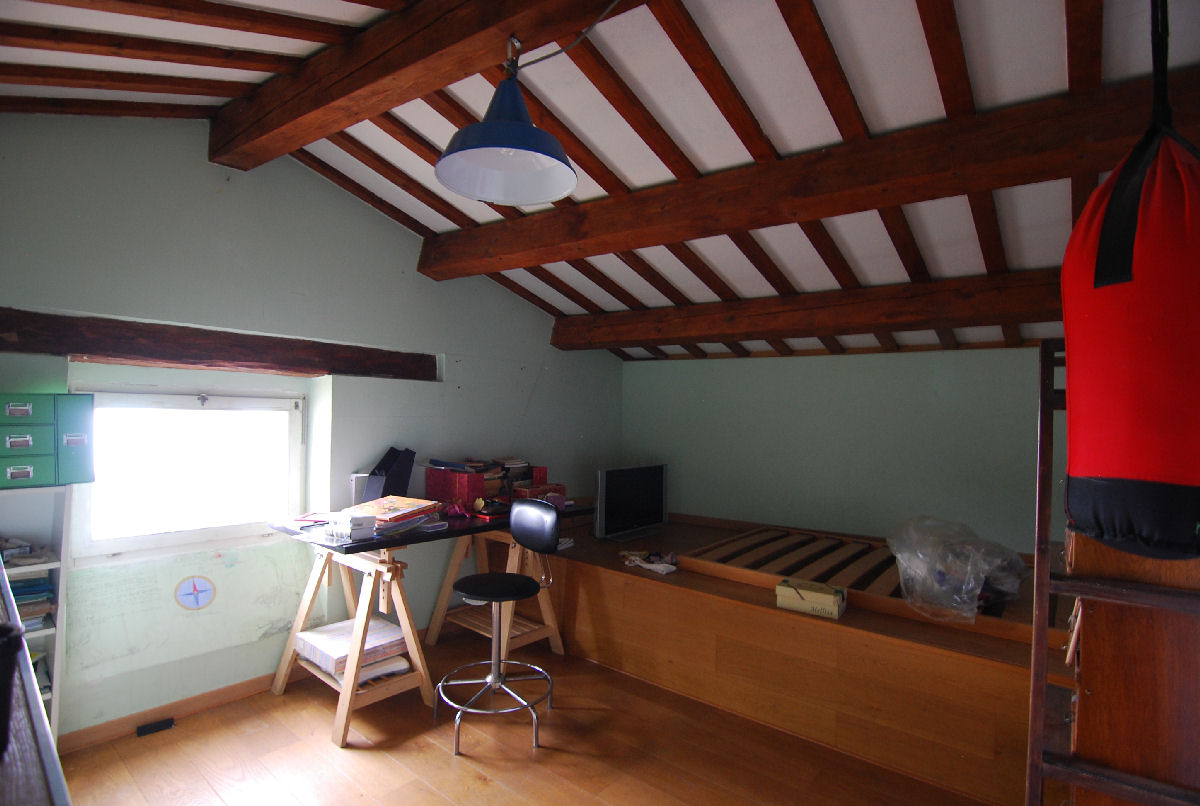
<point x="79" y="514"/>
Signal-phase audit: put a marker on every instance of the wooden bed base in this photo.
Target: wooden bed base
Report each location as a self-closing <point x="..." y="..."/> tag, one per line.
<point x="863" y="565"/>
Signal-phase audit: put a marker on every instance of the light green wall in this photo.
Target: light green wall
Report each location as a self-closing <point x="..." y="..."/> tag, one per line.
<point x="852" y="443"/>
<point x="126" y="218"/>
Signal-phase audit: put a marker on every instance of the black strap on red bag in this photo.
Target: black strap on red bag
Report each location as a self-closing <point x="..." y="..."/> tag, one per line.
<point x="1114" y="260"/>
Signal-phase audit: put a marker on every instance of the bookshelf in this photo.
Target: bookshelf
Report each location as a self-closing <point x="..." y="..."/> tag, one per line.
<point x="37" y="515"/>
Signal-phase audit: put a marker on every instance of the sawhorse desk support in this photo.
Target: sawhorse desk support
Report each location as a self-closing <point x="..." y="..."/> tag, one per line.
<point x="381" y="577"/>
<point x="517" y="631"/>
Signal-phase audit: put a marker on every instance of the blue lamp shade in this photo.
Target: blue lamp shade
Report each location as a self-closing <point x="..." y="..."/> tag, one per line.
<point x="505" y="159"/>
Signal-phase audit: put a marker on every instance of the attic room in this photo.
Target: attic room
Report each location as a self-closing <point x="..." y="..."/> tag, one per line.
<point x="810" y="261"/>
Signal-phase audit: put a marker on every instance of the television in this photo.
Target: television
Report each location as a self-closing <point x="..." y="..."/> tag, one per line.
<point x="631" y="502"/>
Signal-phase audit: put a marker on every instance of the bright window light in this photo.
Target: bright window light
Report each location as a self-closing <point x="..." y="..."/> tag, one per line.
<point x="182" y="468"/>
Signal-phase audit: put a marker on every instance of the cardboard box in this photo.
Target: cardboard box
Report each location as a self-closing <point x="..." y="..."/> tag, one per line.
<point x="814" y="598"/>
<point x="540" y="490"/>
<point x="451" y="487"/>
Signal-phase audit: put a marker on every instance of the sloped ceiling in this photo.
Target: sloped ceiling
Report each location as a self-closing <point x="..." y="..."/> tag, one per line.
<point x="757" y="177"/>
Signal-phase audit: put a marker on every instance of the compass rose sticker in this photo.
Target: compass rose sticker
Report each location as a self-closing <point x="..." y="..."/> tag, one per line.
<point x="195" y="592"/>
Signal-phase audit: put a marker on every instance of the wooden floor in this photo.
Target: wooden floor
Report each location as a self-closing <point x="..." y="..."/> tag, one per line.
<point x="610" y="739"/>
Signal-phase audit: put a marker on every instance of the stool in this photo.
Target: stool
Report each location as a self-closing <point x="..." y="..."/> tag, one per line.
<point x="534" y="525"/>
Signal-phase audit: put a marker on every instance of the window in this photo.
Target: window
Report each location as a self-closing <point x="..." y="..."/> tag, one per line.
<point x="185" y="469"/>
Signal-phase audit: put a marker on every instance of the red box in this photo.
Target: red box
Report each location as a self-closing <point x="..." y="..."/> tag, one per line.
<point x="539" y="475"/>
<point x="451" y="487"/>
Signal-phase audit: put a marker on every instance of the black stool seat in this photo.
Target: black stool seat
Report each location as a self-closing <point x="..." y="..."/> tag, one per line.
<point x="534" y="526"/>
<point x="497" y="587"/>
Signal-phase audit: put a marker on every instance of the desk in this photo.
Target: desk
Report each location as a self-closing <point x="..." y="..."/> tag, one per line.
<point x="382" y="575"/>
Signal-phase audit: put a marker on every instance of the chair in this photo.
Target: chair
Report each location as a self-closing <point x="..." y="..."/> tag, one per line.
<point x="534" y="525"/>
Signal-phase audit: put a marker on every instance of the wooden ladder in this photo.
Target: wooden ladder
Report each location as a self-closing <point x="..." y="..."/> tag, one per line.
<point x="1042" y="763"/>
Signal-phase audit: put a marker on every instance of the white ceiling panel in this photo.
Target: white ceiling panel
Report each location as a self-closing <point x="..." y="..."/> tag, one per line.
<point x="979" y="335"/>
<point x="86" y="19"/>
<point x="945" y="234"/>
<point x="1035" y="221"/>
<point x="375" y="183"/>
<point x="644" y="56"/>
<point x="677" y="274"/>
<point x="755" y="47"/>
<point x="1015" y="50"/>
<point x="795" y="256"/>
<point x="723" y="257"/>
<point x="619" y="272"/>
<point x="583" y="285"/>
<point x="567" y="92"/>
<point x="536" y="286"/>
<point x="882" y="49"/>
<point x="865" y="244"/>
<point x="1127" y="37"/>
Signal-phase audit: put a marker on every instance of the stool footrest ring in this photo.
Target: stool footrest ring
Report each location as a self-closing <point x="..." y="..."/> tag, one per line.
<point x="496" y="683"/>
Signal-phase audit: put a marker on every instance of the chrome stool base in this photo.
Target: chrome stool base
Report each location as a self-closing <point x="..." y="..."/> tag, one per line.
<point x="496" y="682"/>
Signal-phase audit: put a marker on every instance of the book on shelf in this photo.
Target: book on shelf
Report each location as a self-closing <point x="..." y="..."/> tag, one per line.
<point x="328" y="647"/>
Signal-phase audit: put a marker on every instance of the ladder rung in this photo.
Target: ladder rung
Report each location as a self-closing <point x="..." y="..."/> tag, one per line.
<point x="1108" y="781"/>
<point x="1125" y="592"/>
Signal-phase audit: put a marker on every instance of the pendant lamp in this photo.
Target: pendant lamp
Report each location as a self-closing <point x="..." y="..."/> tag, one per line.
<point x="505" y="159"/>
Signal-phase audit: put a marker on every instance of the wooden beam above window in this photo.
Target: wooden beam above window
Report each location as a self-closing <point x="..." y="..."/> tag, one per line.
<point x="119" y="341"/>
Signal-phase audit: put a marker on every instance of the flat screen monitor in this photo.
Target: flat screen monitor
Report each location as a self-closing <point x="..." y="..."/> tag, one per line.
<point x="631" y="502"/>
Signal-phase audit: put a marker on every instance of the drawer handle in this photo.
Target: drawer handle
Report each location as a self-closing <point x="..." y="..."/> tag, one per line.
<point x="16" y="472"/>
<point x="75" y="440"/>
<point x="18" y="441"/>
<point x="18" y="409"/>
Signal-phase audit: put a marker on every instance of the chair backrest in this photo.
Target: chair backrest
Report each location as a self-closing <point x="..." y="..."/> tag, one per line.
<point x="534" y="524"/>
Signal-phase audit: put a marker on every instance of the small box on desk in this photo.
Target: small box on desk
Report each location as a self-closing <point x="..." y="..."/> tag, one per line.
<point x="453" y="487"/>
<point x="540" y="490"/>
<point x="814" y="598"/>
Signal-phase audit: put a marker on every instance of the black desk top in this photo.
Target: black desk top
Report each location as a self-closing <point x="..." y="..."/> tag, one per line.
<point x="456" y="527"/>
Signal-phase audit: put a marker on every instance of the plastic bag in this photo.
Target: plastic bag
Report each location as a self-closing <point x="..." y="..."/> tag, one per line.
<point x="944" y="568"/>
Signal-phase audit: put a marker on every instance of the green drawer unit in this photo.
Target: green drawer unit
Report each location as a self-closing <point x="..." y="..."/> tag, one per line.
<point x="26" y="409"/>
<point x="45" y="440"/>
<point x="27" y="471"/>
<point x="26" y="440"/>
<point x="73" y="438"/>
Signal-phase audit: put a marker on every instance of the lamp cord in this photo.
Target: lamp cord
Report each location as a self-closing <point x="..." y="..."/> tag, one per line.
<point x="511" y="64"/>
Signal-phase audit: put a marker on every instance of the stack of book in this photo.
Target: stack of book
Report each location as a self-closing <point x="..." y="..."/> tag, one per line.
<point x="35" y="601"/>
<point x="12" y="547"/>
<point x="394" y="513"/>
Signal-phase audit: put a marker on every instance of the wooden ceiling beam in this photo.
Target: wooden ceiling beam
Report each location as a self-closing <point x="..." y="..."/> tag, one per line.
<point x="527" y="295"/>
<point x="549" y="279"/>
<point x="108" y="109"/>
<point x="408" y="54"/>
<point x="66" y="40"/>
<point x="101" y="339"/>
<point x="406" y="183"/>
<point x="613" y="288"/>
<point x="1045" y="139"/>
<point x="808" y="32"/>
<point x="652" y="276"/>
<point x="221" y="15"/>
<point x="703" y="272"/>
<point x="1025" y="296"/>
<point x="763" y="263"/>
<point x="79" y="78"/>
<point x="604" y="77"/>
<point x="350" y="186"/>
<point x="694" y="48"/>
